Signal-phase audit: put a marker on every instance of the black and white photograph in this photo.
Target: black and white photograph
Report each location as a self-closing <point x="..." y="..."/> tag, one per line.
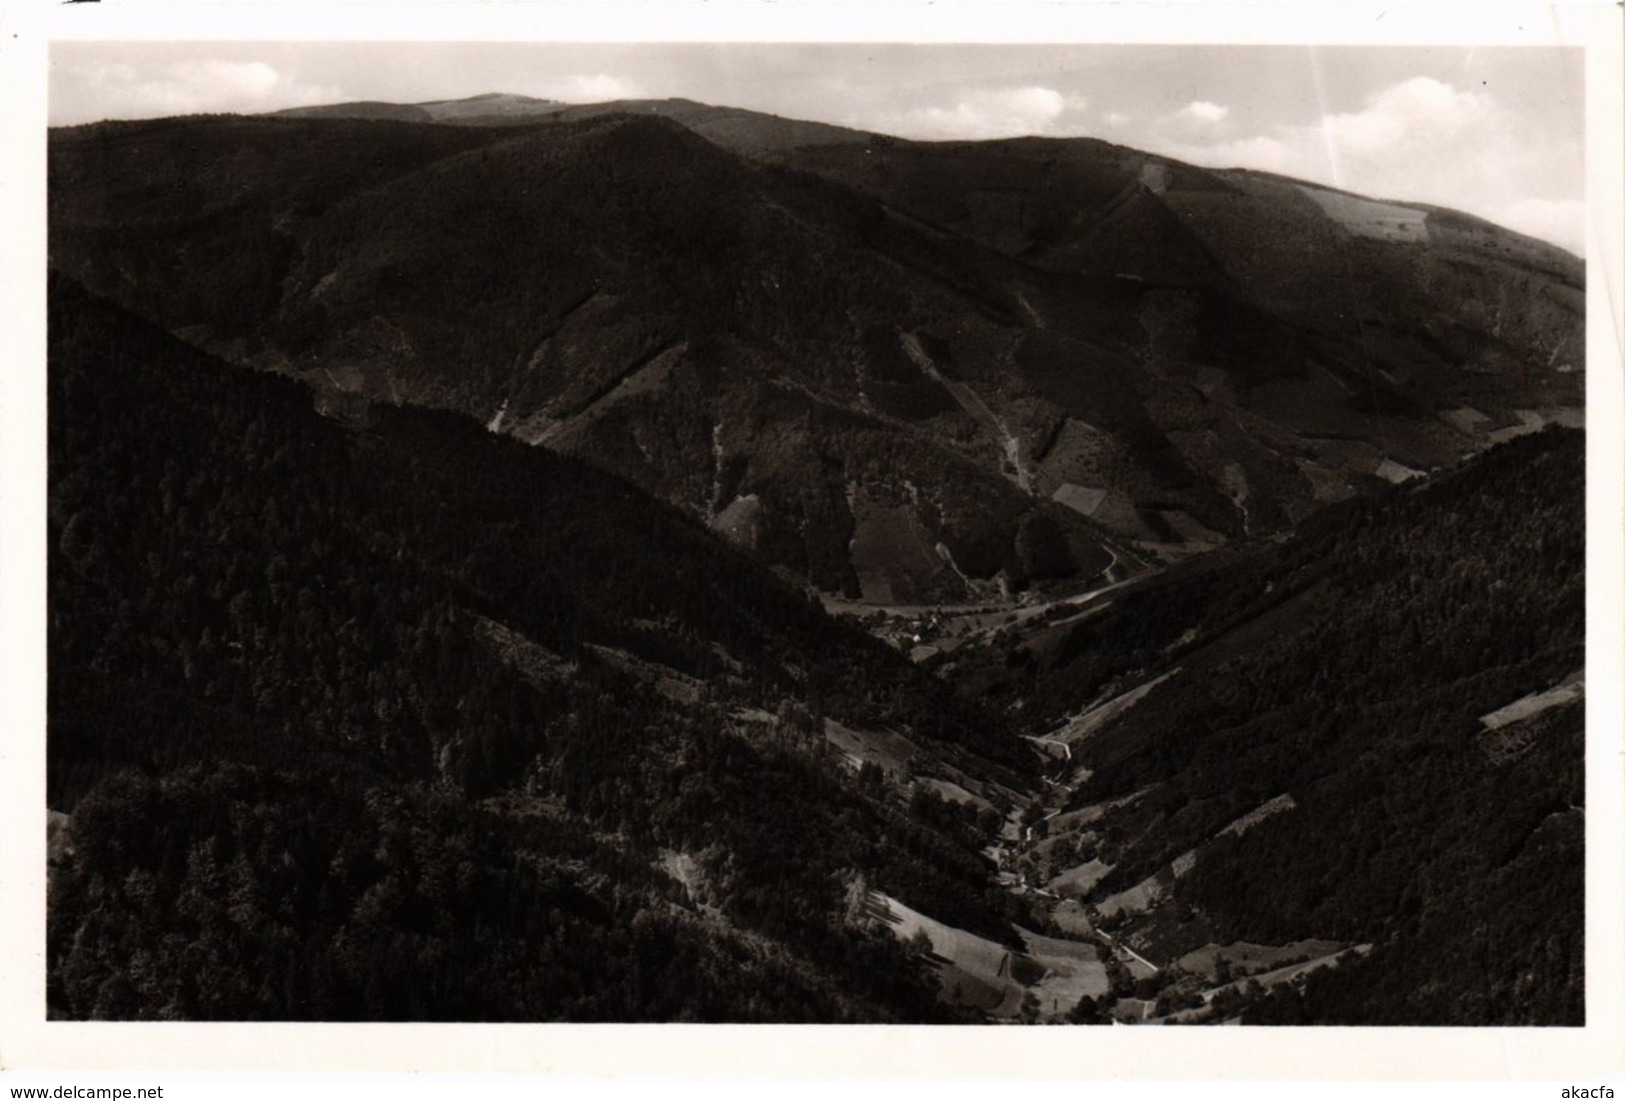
<point x="828" y="533"/>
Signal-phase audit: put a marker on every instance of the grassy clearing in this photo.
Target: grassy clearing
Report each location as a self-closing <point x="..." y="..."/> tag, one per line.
<point x="682" y="867"/>
<point x="978" y="972"/>
<point x="1152" y="890"/>
<point x="740" y="521"/>
<point x="58" y="836"/>
<point x="1292" y="972"/>
<point x="1081" y="726"/>
<point x="974" y="970"/>
<point x="1072" y="969"/>
<point x="1527" y="707"/>
<point x="667" y="681"/>
<point x="1465" y="420"/>
<point x="1244" y="959"/>
<point x="1277" y="805"/>
<point x="1081" y="499"/>
<point x="1368" y="218"/>
<point x="534" y="662"/>
<point x="1328" y="484"/>
<point x="1140" y="897"/>
<point x="890" y="553"/>
<point x="956" y="794"/>
<point x="892" y="752"/>
<point x="1069" y="917"/>
<point x="1079" y="881"/>
<point x="1073" y="820"/>
<point x="1390" y="471"/>
<point x="1528" y="421"/>
<point x="900" y="758"/>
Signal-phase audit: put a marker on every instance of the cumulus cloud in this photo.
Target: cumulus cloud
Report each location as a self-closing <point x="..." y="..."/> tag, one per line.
<point x="594" y="88"/>
<point x="1202" y="111"/>
<point x="987" y="113"/>
<point x="84" y="90"/>
<point x="1421" y="140"/>
<point x="1413" y="117"/>
<point x="202" y="85"/>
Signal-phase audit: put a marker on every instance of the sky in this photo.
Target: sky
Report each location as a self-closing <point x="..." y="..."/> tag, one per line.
<point x="1498" y="132"/>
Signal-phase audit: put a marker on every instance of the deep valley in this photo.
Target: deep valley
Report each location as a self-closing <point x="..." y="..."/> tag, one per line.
<point x="650" y="561"/>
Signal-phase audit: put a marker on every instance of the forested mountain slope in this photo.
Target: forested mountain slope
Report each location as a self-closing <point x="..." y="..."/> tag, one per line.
<point x="445" y="499"/>
<point x="1371" y="735"/>
<point x="379" y="715"/>
<point x="897" y="371"/>
<point x="618" y="289"/>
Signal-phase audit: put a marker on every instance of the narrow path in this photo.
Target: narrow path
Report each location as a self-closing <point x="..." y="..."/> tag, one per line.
<point x="1031" y="313"/>
<point x="971" y="402"/>
<point x="716" y="502"/>
<point x="1050" y="741"/>
<point x="1115" y="943"/>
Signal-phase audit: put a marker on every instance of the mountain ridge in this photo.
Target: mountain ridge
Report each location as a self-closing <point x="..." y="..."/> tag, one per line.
<point x="1158" y="378"/>
<point x="693" y="111"/>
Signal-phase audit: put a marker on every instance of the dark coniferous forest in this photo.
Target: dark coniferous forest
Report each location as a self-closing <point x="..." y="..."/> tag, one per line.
<point x="279" y="619"/>
<point x="488" y="580"/>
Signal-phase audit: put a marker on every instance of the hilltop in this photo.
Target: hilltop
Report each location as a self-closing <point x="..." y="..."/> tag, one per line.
<point x="901" y="372"/>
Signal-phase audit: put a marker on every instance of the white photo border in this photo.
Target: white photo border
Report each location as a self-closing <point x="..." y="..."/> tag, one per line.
<point x="28" y="1041"/>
